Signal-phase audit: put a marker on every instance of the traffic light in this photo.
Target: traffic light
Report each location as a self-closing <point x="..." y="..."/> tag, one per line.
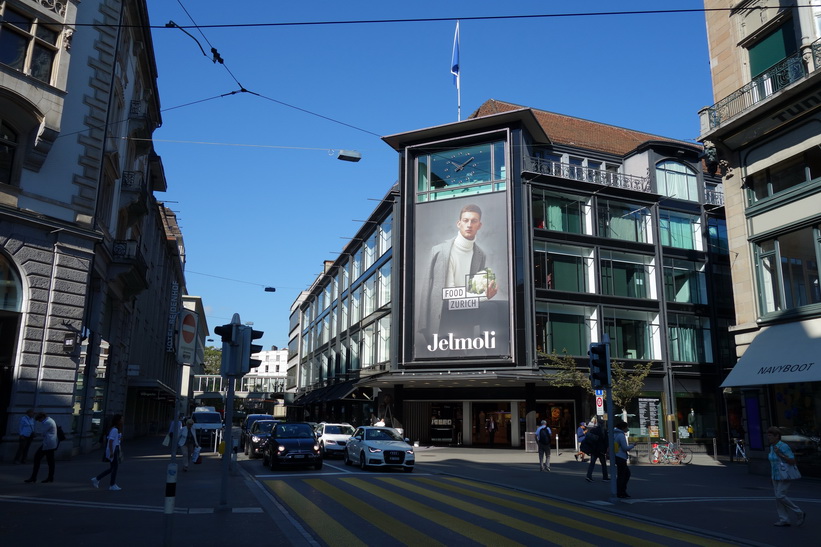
<point x="599" y="365"/>
<point x="229" y="335"/>
<point x="247" y="349"/>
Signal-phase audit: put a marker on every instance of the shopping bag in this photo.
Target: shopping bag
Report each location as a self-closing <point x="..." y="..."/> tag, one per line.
<point x="195" y="457"/>
<point x="167" y="440"/>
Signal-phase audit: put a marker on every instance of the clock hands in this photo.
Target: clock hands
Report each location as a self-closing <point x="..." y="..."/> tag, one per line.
<point x="463" y="165"/>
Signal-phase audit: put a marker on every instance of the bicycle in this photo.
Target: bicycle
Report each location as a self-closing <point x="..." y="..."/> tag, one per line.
<point x="740" y="453"/>
<point x="669" y="453"/>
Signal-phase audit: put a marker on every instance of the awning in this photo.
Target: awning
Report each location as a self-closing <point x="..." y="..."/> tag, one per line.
<point x="781" y="354"/>
<point x="328" y="393"/>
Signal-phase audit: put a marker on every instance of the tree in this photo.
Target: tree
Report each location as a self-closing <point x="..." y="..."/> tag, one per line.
<point x="213" y="360"/>
<point x="566" y="372"/>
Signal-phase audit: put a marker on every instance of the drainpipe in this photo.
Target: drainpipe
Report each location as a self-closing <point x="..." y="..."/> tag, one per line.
<point x="44" y="337"/>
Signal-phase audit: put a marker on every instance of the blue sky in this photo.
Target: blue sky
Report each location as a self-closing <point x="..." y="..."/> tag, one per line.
<point x="270" y="203"/>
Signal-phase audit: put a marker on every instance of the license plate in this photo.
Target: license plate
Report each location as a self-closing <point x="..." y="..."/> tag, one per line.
<point x="299" y="456"/>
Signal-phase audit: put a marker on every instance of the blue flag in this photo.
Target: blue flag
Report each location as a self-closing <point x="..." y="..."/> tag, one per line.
<point x="454" y="62"/>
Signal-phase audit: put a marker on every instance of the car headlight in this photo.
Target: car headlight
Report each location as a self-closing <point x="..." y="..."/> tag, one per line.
<point x="374" y="450"/>
<point x="316" y="448"/>
<point x="255" y="439"/>
<point x="281" y="448"/>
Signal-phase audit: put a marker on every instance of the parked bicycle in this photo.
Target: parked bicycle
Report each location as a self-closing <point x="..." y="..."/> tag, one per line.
<point x="740" y="453"/>
<point x="666" y="452"/>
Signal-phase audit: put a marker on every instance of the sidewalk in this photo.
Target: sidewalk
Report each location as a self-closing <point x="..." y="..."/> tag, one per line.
<point x="71" y="509"/>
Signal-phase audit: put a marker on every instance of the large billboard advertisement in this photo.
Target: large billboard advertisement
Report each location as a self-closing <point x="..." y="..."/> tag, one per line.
<point x="461" y="281"/>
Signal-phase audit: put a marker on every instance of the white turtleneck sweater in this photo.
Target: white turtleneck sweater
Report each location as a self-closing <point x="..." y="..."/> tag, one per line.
<point x="461" y="254"/>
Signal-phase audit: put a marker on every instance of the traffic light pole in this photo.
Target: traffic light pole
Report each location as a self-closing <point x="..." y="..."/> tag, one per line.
<point x="611" y="418"/>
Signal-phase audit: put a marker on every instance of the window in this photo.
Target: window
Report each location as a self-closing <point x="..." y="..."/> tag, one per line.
<point x="631" y="334"/>
<point x="383" y="348"/>
<point x="443" y="174"/>
<point x="717" y="236"/>
<point x="684" y="281"/>
<point x="773" y="48"/>
<point x="385" y="284"/>
<point x="676" y="180"/>
<point x="788" y="270"/>
<point x="680" y="230"/>
<point x="555" y="212"/>
<point x="623" y="221"/>
<point x="370" y="252"/>
<point x="627" y="275"/>
<point x="563" y="268"/>
<point x="563" y="328"/>
<point x="690" y="339"/>
<point x="368" y="345"/>
<point x="11" y="294"/>
<point x="8" y="146"/>
<point x="784" y="175"/>
<point x="27" y="44"/>
<point x="356" y="306"/>
<point x="385" y="233"/>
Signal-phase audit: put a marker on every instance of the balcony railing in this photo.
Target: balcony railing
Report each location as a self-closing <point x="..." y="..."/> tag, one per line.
<point x="132" y="181"/>
<point x="775" y="79"/>
<point x="587" y="174"/>
<point x="713" y="197"/>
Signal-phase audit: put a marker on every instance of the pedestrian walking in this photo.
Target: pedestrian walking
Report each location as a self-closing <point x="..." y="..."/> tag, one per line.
<point x="49" y="431"/>
<point x="543" y="434"/>
<point x="595" y="445"/>
<point x="581" y="431"/>
<point x="781" y="459"/>
<point x="622" y="449"/>
<point x="490" y="426"/>
<point x="113" y="450"/>
<point x="25" y="432"/>
<point x="188" y="441"/>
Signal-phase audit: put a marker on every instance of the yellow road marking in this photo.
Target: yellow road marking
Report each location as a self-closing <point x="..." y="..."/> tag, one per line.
<point x="601" y="515"/>
<point x="400" y="531"/>
<point x="527" y="527"/>
<point x="455" y="524"/>
<point x="331" y="532"/>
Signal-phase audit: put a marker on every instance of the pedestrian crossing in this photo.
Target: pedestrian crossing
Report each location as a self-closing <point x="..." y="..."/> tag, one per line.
<point x="379" y="509"/>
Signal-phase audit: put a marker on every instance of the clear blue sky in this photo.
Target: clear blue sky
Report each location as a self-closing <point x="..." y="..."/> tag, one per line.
<point x="270" y="204"/>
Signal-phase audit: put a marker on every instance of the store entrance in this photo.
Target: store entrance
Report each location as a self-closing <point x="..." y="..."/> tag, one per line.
<point x="491" y="424"/>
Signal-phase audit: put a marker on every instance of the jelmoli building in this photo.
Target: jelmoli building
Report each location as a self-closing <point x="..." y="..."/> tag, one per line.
<point x="509" y="235"/>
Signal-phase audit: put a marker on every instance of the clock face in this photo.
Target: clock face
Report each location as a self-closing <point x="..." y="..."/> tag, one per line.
<point x="460" y="166"/>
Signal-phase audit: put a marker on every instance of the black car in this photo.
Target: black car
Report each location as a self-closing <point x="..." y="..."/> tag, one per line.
<point x="292" y="443"/>
<point x="260" y="431"/>
<point x="246" y="428"/>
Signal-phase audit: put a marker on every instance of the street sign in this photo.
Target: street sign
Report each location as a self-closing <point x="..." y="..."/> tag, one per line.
<point x="599" y="392"/>
<point x="599" y="406"/>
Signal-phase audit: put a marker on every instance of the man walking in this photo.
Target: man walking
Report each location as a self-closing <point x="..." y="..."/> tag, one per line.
<point x="543" y="442"/>
<point x="47" y="449"/>
<point x="595" y="445"/>
<point x="25" y="430"/>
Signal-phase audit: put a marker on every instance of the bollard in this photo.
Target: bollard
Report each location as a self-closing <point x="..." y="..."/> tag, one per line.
<point x="170" y="498"/>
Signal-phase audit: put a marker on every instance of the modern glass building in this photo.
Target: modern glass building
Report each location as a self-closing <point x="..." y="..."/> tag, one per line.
<point x="510" y="235"/>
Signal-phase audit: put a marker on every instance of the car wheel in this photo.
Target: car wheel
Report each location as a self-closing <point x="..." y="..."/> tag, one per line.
<point x="322" y="450"/>
<point x="318" y="465"/>
<point x="408" y="469"/>
<point x="362" y="462"/>
<point x="346" y="458"/>
<point x="272" y="463"/>
<point x="245" y="444"/>
<point x="264" y="459"/>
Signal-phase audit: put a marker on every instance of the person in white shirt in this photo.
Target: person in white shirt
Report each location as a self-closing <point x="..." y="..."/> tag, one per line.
<point x="113" y="443"/>
<point x="47" y="449"/>
<point x="26" y="434"/>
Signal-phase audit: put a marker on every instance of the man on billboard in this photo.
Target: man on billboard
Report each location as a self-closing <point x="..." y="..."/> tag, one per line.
<point x="457" y="263"/>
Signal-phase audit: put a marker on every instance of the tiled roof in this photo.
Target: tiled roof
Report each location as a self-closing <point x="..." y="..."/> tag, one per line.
<point x="578" y="132"/>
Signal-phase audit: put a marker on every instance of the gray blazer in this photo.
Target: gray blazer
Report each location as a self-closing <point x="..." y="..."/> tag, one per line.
<point x="429" y="314"/>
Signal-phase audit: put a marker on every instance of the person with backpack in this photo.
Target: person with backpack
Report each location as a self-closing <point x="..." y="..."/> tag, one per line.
<point x="543" y="442"/>
<point x="595" y="445"/>
<point x="581" y="432"/>
<point x="622" y="448"/>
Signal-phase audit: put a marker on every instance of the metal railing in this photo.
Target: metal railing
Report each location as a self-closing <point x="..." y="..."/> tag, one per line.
<point x="713" y="197"/>
<point x="775" y="79"/>
<point x="587" y="174"/>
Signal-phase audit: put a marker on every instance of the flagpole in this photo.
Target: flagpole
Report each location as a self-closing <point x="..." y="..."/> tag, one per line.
<point x="457" y="73"/>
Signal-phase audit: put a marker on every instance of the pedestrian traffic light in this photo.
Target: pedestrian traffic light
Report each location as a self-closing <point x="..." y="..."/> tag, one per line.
<point x="247" y="349"/>
<point x="599" y="365"/>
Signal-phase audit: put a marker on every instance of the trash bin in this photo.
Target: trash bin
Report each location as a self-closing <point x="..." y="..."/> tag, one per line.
<point x="530" y="442"/>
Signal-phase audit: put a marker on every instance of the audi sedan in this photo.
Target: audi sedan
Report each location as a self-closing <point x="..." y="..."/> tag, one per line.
<point x="332" y="438"/>
<point x="379" y="447"/>
<point x="291" y="443"/>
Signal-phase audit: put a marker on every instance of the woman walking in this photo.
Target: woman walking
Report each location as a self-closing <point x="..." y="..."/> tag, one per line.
<point x="781" y="455"/>
<point x="188" y="441"/>
<point x="113" y="443"/>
